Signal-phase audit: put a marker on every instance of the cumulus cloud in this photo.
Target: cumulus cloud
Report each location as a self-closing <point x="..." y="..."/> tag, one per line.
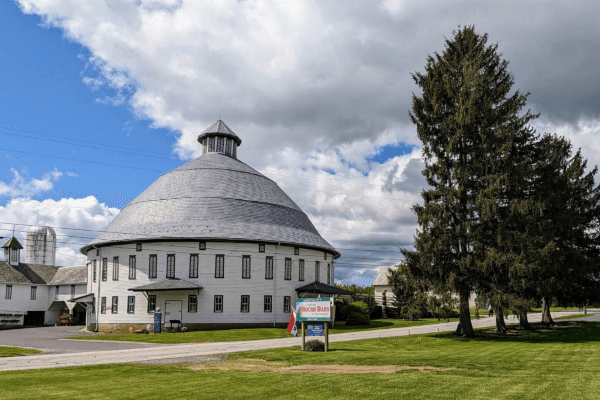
<point x="76" y="222"/>
<point x="313" y="87"/>
<point x="21" y="186"/>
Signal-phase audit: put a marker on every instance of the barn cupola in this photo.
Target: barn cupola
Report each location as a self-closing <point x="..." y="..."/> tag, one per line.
<point x="12" y="251"/>
<point x="219" y="138"/>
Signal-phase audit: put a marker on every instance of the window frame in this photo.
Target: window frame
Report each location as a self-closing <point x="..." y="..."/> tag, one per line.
<point x="33" y="294"/>
<point x="132" y="269"/>
<point x="94" y="271"/>
<point x="269" y="267"/>
<point x="114" y="305"/>
<point x="115" y="271"/>
<point x="287" y="272"/>
<point x="218" y="303"/>
<point x="296" y="251"/>
<point x="130" y="305"/>
<point x="138" y="247"/>
<point x="261" y="247"/>
<point x="153" y="269"/>
<point x="192" y="305"/>
<point x="219" y="269"/>
<point x="56" y="291"/>
<point x="202" y="246"/>
<point x="287" y="304"/>
<point x="8" y="292"/>
<point x="194" y="267"/>
<point x="268" y="303"/>
<point x="246" y="267"/>
<point x="317" y="271"/>
<point x="301" y="271"/>
<point x="104" y="269"/>
<point x="170" y="272"/>
<point x="72" y="291"/>
<point x="151" y="302"/>
<point x="103" y="305"/>
<point x="247" y="298"/>
<point x="329" y="273"/>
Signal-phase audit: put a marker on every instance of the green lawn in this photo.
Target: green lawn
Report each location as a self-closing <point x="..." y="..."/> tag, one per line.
<point x="248" y="334"/>
<point x="558" y="363"/>
<point x="16" y="351"/>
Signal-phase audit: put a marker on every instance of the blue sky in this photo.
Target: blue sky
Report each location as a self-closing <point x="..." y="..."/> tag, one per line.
<point x="43" y="93"/>
<point x="318" y="91"/>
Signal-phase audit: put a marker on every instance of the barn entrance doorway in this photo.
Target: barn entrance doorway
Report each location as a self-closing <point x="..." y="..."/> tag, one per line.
<point x="173" y="312"/>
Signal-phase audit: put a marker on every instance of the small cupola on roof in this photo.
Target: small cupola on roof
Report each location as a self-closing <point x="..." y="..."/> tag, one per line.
<point x="12" y="251"/>
<point x="219" y="138"/>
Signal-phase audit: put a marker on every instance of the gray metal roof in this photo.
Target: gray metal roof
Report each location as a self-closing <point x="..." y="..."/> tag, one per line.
<point x="70" y="276"/>
<point x="213" y="197"/>
<point x="167" y="285"/>
<point x="219" y="128"/>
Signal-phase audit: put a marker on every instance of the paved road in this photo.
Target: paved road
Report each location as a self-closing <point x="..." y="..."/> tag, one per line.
<point x="49" y="340"/>
<point x="205" y="349"/>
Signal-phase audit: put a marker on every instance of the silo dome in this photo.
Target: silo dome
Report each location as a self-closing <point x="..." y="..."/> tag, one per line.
<point x="214" y="197"/>
<point x="41" y="245"/>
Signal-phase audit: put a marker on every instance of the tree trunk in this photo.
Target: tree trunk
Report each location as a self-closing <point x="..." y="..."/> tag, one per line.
<point x="523" y="321"/>
<point x="500" y="324"/>
<point x="546" y="317"/>
<point x="585" y="309"/>
<point x="465" y="327"/>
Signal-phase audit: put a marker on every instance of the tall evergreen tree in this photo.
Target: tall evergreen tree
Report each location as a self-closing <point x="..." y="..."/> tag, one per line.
<point x="468" y="123"/>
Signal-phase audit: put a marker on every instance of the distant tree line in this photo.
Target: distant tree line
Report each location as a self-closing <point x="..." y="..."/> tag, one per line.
<point x="509" y="214"/>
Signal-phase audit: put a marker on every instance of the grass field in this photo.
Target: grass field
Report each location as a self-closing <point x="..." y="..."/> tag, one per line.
<point x="249" y="334"/>
<point x="16" y="351"/>
<point x="558" y="363"/>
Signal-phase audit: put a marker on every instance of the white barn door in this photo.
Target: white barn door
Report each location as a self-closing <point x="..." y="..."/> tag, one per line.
<point x="173" y="310"/>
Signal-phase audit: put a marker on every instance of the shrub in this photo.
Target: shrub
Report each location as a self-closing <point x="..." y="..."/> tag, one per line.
<point x="314" y="345"/>
<point x="357" y="313"/>
<point x="184" y="329"/>
<point x="145" y="331"/>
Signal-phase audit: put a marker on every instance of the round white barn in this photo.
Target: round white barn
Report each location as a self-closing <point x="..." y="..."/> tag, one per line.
<point x="213" y="243"/>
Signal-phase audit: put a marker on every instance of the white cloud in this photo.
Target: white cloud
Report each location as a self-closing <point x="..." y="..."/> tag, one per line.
<point x="68" y="216"/>
<point x="20" y="186"/>
<point x="313" y="86"/>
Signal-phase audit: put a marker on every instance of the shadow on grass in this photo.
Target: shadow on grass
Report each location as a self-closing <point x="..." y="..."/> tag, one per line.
<point x="372" y="324"/>
<point x="560" y="332"/>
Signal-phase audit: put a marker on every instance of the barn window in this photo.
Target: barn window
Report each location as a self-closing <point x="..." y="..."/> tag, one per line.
<point x="94" y="270"/>
<point x="287" y="304"/>
<point x="151" y="303"/>
<point x="245" y="306"/>
<point x="130" y="304"/>
<point x="288" y="269"/>
<point x="268" y="303"/>
<point x="261" y="248"/>
<point x="211" y="144"/>
<point x="329" y="274"/>
<point x="202" y="246"/>
<point x="115" y="305"/>
<point x="317" y="271"/>
<point x="220" y="144"/>
<point x="115" y="268"/>
<point x="131" y="267"/>
<point x="301" y="270"/>
<point x="138" y="247"/>
<point x="296" y="251"/>
<point x="228" y="147"/>
<point x="72" y="291"/>
<point x="152" y="266"/>
<point x="170" y="265"/>
<point x="269" y="268"/>
<point x="104" y="269"/>
<point x="192" y="303"/>
<point x="56" y="292"/>
<point x="219" y="266"/>
<point x="33" y="292"/>
<point x="193" y="265"/>
<point x="103" y="305"/>
<point x="245" y="267"/>
<point x="219" y="303"/>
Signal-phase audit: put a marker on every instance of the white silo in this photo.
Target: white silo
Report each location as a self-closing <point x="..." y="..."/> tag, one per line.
<point x="41" y="245"/>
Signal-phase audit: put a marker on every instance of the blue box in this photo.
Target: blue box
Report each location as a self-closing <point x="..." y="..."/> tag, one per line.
<point x="314" y="330"/>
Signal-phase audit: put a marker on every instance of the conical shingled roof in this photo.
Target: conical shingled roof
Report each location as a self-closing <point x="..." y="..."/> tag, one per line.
<point x="213" y="197"/>
<point x="221" y="129"/>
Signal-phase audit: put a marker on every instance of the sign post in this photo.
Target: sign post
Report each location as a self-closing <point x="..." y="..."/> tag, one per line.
<point x="314" y="310"/>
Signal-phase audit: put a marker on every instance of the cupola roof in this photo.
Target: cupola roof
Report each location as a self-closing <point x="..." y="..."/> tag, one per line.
<point x="12" y="243"/>
<point x="219" y="128"/>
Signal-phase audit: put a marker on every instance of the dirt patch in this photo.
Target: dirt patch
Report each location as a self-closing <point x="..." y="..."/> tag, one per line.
<point x="257" y="365"/>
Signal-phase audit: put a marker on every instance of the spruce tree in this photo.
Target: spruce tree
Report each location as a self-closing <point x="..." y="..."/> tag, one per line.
<point x="470" y="126"/>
